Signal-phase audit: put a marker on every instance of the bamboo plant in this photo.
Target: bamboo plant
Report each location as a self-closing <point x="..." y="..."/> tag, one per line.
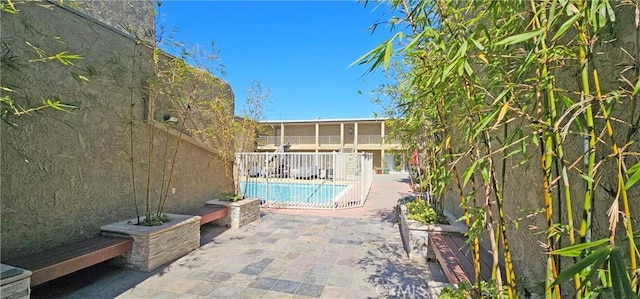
<point x="491" y="80"/>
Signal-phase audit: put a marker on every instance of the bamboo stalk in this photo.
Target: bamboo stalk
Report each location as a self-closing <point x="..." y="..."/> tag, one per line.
<point x="546" y="141"/>
<point x="621" y="191"/>
<point x="131" y="125"/>
<point x="495" y="268"/>
<point x="585" y="225"/>
<point x="509" y="272"/>
<point x="185" y="115"/>
<point x="585" y="230"/>
<point x="476" y="241"/>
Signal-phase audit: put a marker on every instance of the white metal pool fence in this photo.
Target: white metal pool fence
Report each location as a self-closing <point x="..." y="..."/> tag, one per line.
<point x="306" y="180"/>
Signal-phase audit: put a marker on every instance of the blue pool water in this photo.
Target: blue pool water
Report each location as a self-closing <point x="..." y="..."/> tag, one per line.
<point x="293" y="192"/>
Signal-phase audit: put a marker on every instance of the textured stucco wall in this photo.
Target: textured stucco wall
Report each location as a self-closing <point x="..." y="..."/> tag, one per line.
<point x="523" y="188"/>
<point x="66" y="174"/>
<point x="133" y="17"/>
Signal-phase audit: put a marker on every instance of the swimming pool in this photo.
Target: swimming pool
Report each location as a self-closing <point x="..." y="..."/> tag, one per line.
<point x="303" y="194"/>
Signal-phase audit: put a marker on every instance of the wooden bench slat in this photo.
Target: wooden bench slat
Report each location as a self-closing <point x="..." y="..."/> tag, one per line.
<point x="64" y="252"/>
<point x="456" y="258"/>
<point x="446" y="258"/>
<point x="485" y="258"/>
<point x="62" y="260"/>
<point x="455" y="242"/>
<point x="210" y="213"/>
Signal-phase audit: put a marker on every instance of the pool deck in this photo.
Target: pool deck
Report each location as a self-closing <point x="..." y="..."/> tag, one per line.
<point x="354" y="253"/>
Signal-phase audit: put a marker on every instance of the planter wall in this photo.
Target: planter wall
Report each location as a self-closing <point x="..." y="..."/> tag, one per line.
<point x="154" y="246"/>
<point x="15" y="282"/>
<point x="415" y="235"/>
<point x="240" y="213"/>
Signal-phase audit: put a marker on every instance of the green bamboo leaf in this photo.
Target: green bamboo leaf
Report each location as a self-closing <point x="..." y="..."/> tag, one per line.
<point x="414" y="42"/>
<point x="55" y="105"/>
<point x="595" y="259"/>
<point x="468" y="68"/>
<point x="589" y="276"/>
<point x="484" y="122"/>
<point x="387" y="54"/>
<point x="8" y="7"/>
<point x="469" y="172"/>
<point x="634" y="168"/>
<point x="619" y="278"/>
<point x="576" y="250"/>
<point x="563" y="3"/>
<point x="593" y="14"/>
<point x="612" y="15"/>
<point x="602" y="15"/>
<point x="501" y="96"/>
<point x="636" y="88"/>
<point x="572" y="9"/>
<point x="634" y="171"/>
<point x="462" y="51"/>
<point x="369" y="57"/>
<point x="586" y="178"/>
<point x="518" y="38"/>
<point x="447" y="70"/>
<point x="485" y="173"/>
<point x="478" y="45"/>
<point x="566" y="25"/>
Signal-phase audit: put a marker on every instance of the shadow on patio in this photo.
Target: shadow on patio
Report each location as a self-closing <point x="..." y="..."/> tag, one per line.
<point x="395" y="276"/>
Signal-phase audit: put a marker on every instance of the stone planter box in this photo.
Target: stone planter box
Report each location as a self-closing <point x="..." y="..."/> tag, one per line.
<point x="154" y="246"/>
<point x="415" y="235"/>
<point x="240" y="212"/>
<point x="15" y="283"/>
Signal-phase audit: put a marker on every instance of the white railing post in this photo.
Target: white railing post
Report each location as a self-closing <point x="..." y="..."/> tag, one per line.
<point x="362" y="179"/>
<point x="333" y="181"/>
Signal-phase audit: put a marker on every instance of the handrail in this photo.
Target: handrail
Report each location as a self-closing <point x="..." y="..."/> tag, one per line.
<point x="314" y="191"/>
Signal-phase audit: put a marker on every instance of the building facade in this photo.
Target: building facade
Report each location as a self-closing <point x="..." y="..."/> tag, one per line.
<point x="329" y="135"/>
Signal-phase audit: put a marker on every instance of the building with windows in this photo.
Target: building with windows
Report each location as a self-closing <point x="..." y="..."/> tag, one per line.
<point x="328" y="135"/>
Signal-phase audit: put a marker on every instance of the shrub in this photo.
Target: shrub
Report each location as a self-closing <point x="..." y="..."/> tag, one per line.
<point x="230" y="196"/>
<point x="467" y="291"/>
<point x="419" y="210"/>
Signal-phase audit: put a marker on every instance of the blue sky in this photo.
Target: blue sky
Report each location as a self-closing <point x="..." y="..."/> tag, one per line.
<point x="300" y="50"/>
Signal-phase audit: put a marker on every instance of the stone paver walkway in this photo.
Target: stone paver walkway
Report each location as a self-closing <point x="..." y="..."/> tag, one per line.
<point x="283" y="255"/>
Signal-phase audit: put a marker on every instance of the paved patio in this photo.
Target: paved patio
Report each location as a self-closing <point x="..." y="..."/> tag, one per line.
<point x="286" y="254"/>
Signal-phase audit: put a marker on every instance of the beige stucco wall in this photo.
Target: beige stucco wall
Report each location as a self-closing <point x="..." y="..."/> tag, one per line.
<point x="299" y="130"/>
<point x="377" y="157"/>
<point x="523" y="188"/>
<point x="66" y="174"/>
<point x="369" y="129"/>
<point x="329" y="129"/>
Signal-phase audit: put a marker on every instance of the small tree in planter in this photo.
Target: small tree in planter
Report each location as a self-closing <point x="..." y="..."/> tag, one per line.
<point x="240" y="135"/>
<point x="230" y="134"/>
<point x="180" y="80"/>
<point x="174" y="106"/>
<point x="175" y="93"/>
<point x="248" y="126"/>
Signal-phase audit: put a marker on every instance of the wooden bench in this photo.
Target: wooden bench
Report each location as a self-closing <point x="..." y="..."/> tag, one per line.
<point x="209" y="213"/>
<point x="456" y="258"/>
<point x="62" y="260"/>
